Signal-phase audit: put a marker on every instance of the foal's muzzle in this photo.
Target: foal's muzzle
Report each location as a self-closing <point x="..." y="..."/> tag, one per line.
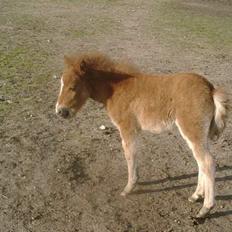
<point x="63" y="112"/>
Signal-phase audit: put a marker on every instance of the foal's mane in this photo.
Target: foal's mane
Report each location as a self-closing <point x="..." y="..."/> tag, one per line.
<point x="101" y="62"/>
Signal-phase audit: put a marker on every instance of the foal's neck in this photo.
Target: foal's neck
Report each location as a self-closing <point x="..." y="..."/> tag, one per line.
<point x="103" y="84"/>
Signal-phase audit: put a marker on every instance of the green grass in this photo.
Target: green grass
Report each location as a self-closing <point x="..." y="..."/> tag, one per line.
<point x="88" y="1"/>
<point x="22" y="72"/>
<point x="95" y="26"/>
<point x="29" y="22"/>
<point x="25" y="22"/>
<point x="24" y="56"/>
<point x="189" y="27"/>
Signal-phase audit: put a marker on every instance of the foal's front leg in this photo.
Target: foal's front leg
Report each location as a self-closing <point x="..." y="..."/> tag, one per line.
<point x="129" y="147"/>
<point x="129" y="150"/>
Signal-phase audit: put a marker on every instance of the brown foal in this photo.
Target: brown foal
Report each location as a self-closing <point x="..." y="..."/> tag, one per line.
<point x="136" y="101"/>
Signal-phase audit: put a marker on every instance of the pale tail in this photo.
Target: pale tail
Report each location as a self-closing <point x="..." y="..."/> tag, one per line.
<point x="218" y="123"/>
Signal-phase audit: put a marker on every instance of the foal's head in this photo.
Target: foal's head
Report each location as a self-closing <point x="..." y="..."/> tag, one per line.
<point x="88" y="75"/>
<point x="73" y="90"/>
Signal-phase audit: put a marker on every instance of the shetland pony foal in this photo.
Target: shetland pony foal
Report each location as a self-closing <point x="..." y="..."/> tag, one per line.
<point x="136" y="102"/>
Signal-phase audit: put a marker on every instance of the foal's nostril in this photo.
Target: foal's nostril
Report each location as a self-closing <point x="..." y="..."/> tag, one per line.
<point x="64" y="112"/>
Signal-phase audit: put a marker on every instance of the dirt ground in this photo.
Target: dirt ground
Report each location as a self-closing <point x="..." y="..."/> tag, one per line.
<point x="66" y="176"/>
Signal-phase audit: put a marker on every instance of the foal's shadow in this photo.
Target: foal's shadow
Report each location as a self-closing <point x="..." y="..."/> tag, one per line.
<point x="220" y="214"/>
<point x="182" y="186"/>
<point x="182" y="177"/>
<point x="217" y="214"/>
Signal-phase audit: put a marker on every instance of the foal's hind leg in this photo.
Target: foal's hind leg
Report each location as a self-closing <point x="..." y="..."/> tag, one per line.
<point x="199" y="193"/>
<point x="206" y="178"/>
<point x="207" y="166"/>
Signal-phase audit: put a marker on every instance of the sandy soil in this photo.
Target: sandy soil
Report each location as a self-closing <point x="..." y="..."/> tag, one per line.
<point x="66" y="176"/>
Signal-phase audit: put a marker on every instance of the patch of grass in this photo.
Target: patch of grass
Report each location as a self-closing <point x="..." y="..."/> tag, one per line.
<point x="4" y="108"/>
<point x="95" y="26"/>
<point x="88" y="1"/>
<point x="81" y="33"/>
<point x="189" y="26"/>
<point x="29" y="22"/>
<point x="25" y="22"/>
<point x="25" y="57"/>
<point x="21" y="62"/>
<point x="22" y="71"/>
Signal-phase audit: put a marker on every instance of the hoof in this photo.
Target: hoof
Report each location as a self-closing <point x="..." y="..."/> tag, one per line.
<point x="124" y="194"/>
<point x="127" y="190"/>
<point x="204" y="212"/>
<point x="194" y="199"/>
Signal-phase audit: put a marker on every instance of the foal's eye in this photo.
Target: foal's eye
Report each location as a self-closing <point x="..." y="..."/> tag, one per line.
<point x="72" y="88"/>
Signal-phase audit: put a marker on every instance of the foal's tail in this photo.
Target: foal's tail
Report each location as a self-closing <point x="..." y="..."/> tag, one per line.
<point x="218" y="123"/>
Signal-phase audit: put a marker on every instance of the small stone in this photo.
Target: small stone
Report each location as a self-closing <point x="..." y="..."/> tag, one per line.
<point x="9" y="101"/>
<point x="2" y="84"/>
<point x="54" y="76"/>
<point x="2" y="98"/>
<point x="177" y="221"/>
<point x="102" y="127"/>
<point x="222" y="206"/>
<point x="4" y="196"/>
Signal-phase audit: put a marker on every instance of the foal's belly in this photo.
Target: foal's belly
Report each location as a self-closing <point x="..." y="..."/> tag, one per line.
<point x="155" y="125"/>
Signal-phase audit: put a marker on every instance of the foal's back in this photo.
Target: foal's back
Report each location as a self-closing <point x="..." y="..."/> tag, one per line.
<point x="158" y="101"/>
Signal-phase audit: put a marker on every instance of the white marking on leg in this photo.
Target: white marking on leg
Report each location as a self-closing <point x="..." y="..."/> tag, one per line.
<point x="61" y="89"/>
<point x="200" y="185"/>
<point x="129" y="150"/>
<point x="57" y="107"/>
<point x="209" y="168"/>
<point x="185" y="137"/>
<point x="61" y="85"/>
<point x="207" y="172"/>
<point x="200" y="190"/>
